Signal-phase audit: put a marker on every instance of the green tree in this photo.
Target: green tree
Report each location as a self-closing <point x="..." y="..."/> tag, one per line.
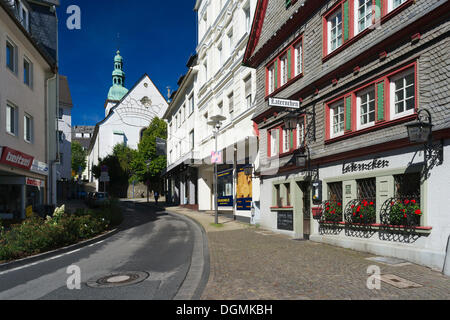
<point x="119" y="169"/>
<point x="148" y="165"/>
<point x="78" y="157"/>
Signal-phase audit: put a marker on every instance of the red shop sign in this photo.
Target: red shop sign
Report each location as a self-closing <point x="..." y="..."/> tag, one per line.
<point x="34" y="182"/>
<point x="16" y="159"/>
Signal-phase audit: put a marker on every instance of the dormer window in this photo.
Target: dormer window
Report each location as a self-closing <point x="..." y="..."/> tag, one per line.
<point x="24" y="16"/>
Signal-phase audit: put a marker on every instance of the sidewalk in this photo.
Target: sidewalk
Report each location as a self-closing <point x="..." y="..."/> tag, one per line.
<point x="249" y="263"/>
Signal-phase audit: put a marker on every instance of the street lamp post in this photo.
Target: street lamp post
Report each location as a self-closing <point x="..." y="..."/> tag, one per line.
<point x="216" y="123"/>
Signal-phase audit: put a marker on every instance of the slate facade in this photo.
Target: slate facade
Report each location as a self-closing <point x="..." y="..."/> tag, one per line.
<point x="408" y="43"/>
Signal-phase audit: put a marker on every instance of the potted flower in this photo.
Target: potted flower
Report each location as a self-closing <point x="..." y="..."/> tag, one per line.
<point x="333" y="211"/>
<point x="405" y="212"/>
<point x="364" y="212"/>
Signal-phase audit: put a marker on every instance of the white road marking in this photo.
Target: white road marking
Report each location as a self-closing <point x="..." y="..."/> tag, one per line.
<point x="46" y="260"/>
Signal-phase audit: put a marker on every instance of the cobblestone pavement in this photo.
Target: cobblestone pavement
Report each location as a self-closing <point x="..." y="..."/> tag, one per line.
<point x="248" y="263"/>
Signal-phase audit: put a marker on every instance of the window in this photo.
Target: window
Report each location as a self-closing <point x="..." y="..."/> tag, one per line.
<point x="284" y="70"/>
<point x="247" y="18"/>
<point x="191" y="140"/>
<point x="337" y="119"/>
<point x="11" y="53"/>
<point x="407" y="185"/>
<point x="274" y="142"/>
<point x="363" y="14"/>
<point x="191" y="104"/>
<point x="272" y="77"/>
<point x="366" y="108"/>
<point x="61" y="136"/>
<point x="184" y="112"/>
<point x="61" y="158"/>
<point x="300" y="132"/>
<point x="403" y="100"/>
<point x="298" y="51"/>
<point x="219" y="49"/>
<point x="28" y="128"/>
<point x="11" y="119"/>
<point x="27" y="72"/>
<point x="220" y="108"/>
<point x="61" y="113"/>
<point x="24" y="17"/>
<point x="287" y="187"/>
<point x="231" y="103"/>
<point x="78" y="135"/>
<point x="248" y="91"/>
<point x="394" y="4"/>
<point x="205" y="68"/>
<point x="335" y="31"/>
<point x="230" y="41"/>
<point x="388" y="98"/>
<point x="286" y="140"/>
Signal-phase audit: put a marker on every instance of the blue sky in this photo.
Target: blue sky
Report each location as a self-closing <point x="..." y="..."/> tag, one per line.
<point x="156" y="37"/>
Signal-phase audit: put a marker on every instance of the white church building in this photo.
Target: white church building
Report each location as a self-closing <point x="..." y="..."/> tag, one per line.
<point x="127" y="114"/>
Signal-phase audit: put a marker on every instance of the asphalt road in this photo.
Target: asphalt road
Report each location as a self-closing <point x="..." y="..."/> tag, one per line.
<point x="153" y="242"/>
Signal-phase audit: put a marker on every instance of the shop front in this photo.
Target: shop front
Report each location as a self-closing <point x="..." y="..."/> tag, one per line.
<point x="22" y="184"/>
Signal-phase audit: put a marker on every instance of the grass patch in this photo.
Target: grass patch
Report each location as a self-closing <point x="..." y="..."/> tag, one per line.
<point x="217" y="225"/>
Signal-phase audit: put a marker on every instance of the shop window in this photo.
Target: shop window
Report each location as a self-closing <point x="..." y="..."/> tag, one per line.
<point x="367" y="189"/>
<point x="278" y="199"/>
<point x="335" y="192"/>
<point x="288" y="194"/>
<point x="407" y="185"/>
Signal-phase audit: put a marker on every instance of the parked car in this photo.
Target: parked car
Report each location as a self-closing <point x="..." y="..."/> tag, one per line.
<point x="96" y="199"/>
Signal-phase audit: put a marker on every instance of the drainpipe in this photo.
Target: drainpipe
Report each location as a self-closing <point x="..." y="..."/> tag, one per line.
<point x="54" y="163"/>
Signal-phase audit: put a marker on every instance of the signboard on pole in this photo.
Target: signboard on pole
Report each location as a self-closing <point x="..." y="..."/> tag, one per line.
<point x="284" y="103"/>
<point x="104" y="177"/>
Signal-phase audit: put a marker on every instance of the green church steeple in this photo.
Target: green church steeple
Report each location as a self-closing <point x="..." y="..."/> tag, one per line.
<point x="118" y="91"/>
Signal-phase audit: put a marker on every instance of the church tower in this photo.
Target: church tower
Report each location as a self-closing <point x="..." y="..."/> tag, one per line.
<point x="117" y="90"/>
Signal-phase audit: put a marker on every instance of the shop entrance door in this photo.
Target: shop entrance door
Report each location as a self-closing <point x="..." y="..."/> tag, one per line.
<point x="306" y="190"/>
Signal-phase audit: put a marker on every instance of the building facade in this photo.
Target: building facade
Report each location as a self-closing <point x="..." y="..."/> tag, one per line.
<point x="65" y="130"/>
<point x="182" y="141"/>
<point x="224" y="87"/>
<point x="128" y="114"/>
<point x="28" y="105"/>
<point x="83" y="135"/>
<point x="346" y="172"/>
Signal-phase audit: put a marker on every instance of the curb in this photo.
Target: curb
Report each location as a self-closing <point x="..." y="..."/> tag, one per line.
<point x="185" y="291"/>
<point x="42" y="256"/>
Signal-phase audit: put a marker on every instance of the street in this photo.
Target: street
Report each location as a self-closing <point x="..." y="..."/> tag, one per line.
<point x="150" y="242"/>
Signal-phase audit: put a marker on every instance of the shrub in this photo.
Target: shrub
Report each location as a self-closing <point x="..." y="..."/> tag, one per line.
<point x="36" y="235"/>
<point x="364" y="212"/>
<point x="404" y="211"/>
<point x="333" y="211"/>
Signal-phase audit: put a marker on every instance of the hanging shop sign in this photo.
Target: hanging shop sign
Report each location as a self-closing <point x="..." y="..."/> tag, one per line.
<point x="34" y="182"/>
<point x="243" y="190"/>
<point x="16" y="158"/>
<point x="39" y="167"/>
<point x="365" y="166"/>
<point x="225" y="188"/>
<point x="284" y="103"/>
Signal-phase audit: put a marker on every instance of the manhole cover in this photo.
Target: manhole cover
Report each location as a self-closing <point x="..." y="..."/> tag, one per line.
<point x="118" y="279"/>
<point x="389" y="261"/>
<point x="398" y="282"/>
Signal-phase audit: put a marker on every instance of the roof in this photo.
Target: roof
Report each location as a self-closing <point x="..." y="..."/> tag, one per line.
<point x="65" y="96"/>
<point x="43" y="26"/>
<point x="118" y="103"/>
